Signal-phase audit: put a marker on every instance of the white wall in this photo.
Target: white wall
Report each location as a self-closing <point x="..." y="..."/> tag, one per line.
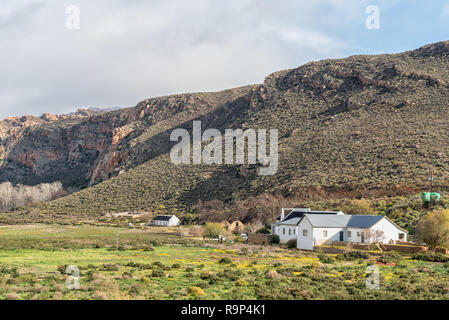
<point x="333" y="234"/>
<point x="174" y="221"/>
<point x="286" y="232"/>
<point x="391" y="232"/>
<point x="356" y="235"/>
<point x="305" y="242"/>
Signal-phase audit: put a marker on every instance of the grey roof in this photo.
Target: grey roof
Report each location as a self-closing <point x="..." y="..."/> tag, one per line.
<point x="163" y="218"/>
<point x="363" y="221"/>
<point x="343" y="221"/>
<point x="293" y="221"/>
<point x="297" y="214"/>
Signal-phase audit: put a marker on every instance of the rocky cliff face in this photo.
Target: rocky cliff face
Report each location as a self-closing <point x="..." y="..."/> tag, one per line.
<point x="361" y="125"/>
<point x="87" y="147"/>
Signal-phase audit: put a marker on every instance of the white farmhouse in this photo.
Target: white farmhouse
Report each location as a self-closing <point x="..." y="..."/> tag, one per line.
<point x="165" y="221"/>
<point x="315" y="230"/>
<point x="286" y="226"/>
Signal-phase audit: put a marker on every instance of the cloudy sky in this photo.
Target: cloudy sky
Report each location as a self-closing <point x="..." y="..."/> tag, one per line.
<point x="127" y="50"/>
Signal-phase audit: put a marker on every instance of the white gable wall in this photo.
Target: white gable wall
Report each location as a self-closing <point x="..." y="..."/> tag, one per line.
<point x="305" y="242"/>
<point x="324" y="236"/>
<point x="174" y="221"/>
<point x="391" y="232"/>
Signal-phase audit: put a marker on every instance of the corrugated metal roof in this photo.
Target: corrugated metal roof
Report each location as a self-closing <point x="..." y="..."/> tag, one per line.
<point x="328" y="220"/>
<point x="293" y="221"/>
<point x="343" y="221"/>
<point x="299" y="213"/>
<point x="163" y="218"/>
<point x="363" y="221"/>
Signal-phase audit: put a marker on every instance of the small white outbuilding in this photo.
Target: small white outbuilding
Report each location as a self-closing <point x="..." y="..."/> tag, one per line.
<point x="165" y="221"/>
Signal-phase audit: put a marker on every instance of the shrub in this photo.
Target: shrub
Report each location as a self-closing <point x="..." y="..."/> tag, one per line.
<point x="263" y="231"/>
<point x="196" y="291"/>
<point x="434" y="229"/>
<point x="431" y="257"/>
<point x="157" y="274"/>
<point x="354" y="255"/>
<point x="291" y="244"/>
<point x="273" y="274"/>
<point x="225" y="260"/>
<point x="325" y="258"/>
<point x="213" y="230"/>
<point x="176" y="266"/>
<point x="111" y="267"/>
<point x="145" y="280"/>
<point x="241" y="283"/>
<point x="190" y="269"/>
<point x="275" y="239"/>
<point x="389" y="258"/>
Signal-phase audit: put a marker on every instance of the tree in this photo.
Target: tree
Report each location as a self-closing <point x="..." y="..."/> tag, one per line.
<point x="376" y="236"/>
<point x="213" y="230"/>
<point x="361" y="206"/>
<point x="12" y="197"/>
<point x="433" y="229"/>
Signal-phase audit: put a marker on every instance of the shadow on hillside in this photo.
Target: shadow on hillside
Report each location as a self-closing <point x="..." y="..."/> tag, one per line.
<point x="223" y="117"/>
<point x="224" y="184"/>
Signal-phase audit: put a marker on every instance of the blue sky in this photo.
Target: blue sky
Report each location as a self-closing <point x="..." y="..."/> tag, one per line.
<point x="127" y="51"/>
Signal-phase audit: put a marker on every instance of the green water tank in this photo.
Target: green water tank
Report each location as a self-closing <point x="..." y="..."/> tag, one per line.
<point x="428" y="197"/>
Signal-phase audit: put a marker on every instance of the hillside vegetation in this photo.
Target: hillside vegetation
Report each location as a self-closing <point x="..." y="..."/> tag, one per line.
<point x="364" y="126"/>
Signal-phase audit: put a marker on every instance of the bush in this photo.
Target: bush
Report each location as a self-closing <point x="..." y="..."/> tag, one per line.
<point x="291" y="244"/>
<point x="325" y="258"/>
<point x="354" y="255"/>
<point x="275" y="239"/>
<point x="225" y="261"/>
<point x="263" y="231"/>
<point x="241" y="283"/>
<point x="389" y="258"/>
<point x="196" y="291"/>
<point x="213" y="230"/>
<point x="157" y="274"/>
<point x="430" y="257"/>
<point x="145" y="280"/>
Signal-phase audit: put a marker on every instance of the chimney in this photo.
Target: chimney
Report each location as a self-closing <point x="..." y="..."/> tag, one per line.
<point x="283" y="213"/>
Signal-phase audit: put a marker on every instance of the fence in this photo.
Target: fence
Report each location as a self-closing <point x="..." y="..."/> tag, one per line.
<point x="256" y="238"/>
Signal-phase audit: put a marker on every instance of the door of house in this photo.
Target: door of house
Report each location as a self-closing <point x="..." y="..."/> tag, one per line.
<point x="342" y="236"/>
<point x="363" y="237"/>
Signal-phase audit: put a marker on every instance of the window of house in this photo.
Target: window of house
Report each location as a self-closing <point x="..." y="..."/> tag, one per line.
<point x="349" y="234"/>
<point x="305" y="233"/>
<point x="294" y="231"/>
<point x="325" y="233"/>
<point x="401" y="236"/>
<point x="283" y="230"/>
<point x="358" y="234"/>
<point x="289" y="232"/>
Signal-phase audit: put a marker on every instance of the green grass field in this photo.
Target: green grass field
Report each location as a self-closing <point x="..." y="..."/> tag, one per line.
<point x="159" y="265"/>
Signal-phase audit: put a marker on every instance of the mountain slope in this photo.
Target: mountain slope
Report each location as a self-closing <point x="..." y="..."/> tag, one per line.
<point x="363" y="125"/>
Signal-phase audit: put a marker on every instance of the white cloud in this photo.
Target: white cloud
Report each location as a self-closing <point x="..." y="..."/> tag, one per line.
<point x="129" y="51"/>
<point x="445" y="10"/>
